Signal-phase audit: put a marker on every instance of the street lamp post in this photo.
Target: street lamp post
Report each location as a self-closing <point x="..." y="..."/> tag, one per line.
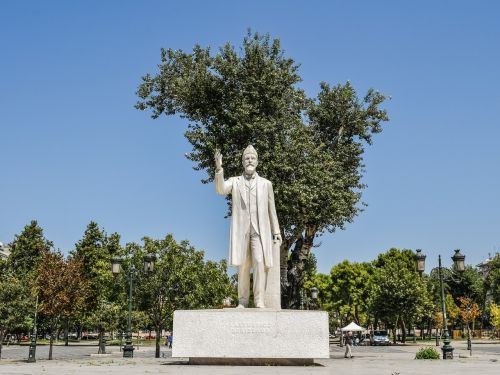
<point x="341" y="333"/>
<point x="305" y="298"/>
<point x="459" y="265"/>
<point x="314" y="297"/>
<point x="128" y="348"/>
<point x="447" y="348"/>
<point x="420" y="264"/>
<point x="32" y="350"/>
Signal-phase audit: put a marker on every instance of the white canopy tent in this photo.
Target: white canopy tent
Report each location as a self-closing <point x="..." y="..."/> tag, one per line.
<point x="353" y="327"/>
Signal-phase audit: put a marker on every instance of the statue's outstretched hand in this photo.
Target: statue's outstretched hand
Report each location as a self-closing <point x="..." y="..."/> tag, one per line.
<point x="218" y="159"/>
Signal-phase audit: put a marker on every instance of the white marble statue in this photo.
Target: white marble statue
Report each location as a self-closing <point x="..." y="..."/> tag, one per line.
<point x="254" y="226"/>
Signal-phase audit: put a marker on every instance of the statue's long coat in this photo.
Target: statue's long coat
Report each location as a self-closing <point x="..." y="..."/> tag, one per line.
<point x="240" y="217"/>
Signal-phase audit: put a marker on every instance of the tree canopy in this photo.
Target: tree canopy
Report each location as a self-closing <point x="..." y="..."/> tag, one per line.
<point x="399" y="296"/>
<point x="467" y="284"/>
<point x="387" y="292"/>
<point x="94" y="251"/>
<point x="181" y="279"/>
<point x="15" y="306"/>
<point x="61" y="291"/>
<point x="350" y="288"/>
<point x="492" y="282"/>
<point x="27" y="249"/>
<point x="310" y="148"/>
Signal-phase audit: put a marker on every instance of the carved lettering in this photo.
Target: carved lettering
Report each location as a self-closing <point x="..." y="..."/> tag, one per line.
<point x="249" y="327"/>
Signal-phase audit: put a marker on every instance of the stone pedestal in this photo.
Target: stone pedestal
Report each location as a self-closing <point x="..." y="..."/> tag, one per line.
<point x="250" y="336"/>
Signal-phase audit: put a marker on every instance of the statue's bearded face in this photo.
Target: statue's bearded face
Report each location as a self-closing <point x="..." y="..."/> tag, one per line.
<point x="250" y="163"/>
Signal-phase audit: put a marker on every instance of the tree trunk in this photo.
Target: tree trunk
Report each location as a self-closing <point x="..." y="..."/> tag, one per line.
<point x="102" y="344"/>
<point x="51" y="342"/>
<point x="157" y="340"/>
<point x="291" y="295"/>
<point x="285" y="246"/>
<point x="295" y="268"/>
<point x="66" y="333"/>
<point x="394" y="331"/>
<point x="356" y="314"/>
<point x="2" y="334"/>
<point x="403" y="331"/>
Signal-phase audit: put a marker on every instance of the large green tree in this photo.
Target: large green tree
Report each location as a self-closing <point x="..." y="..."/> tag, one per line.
<point x="92" y="251"/>
<point x="399" y="296"/>
<point x="181" y="279"/>
<point x="61" y="291"/>
<point x="325" y="302"/>
<point x="28" y="249"/>
<point x="311" y="149"/>
<point x="468" y="284"/>
<point x="95" y="251"/>
<point x="350" y="288"/>
<point x="3" y="267"/>
<point x="492" y="281"/>
<point x="15" y="306"/>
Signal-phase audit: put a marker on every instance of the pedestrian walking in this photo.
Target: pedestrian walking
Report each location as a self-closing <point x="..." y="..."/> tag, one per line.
<point x="348" y="345"/>
<point x="170" y="338"/>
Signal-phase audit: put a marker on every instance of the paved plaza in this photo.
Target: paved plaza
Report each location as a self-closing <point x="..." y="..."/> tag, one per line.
<point x="391" y="360"/>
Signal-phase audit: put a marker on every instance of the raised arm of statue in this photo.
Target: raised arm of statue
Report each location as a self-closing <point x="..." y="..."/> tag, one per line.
<point x="221" y="187"/>
<point x="218" y="160"/>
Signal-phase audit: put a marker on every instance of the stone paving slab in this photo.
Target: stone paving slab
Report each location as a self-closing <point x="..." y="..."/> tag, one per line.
<point x="366" y="361"/>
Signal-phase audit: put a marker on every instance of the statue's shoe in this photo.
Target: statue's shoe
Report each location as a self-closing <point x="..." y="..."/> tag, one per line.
<point x="240" y="306"/>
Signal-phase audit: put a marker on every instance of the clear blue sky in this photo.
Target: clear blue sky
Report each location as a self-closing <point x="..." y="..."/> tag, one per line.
<point x="73" y="148"/>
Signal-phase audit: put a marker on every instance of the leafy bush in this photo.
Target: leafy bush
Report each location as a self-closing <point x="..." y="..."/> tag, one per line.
<point x="427" y="353"/>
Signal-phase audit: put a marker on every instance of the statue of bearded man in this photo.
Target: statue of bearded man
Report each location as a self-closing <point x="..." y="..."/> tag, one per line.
<point x="254" y="225"/>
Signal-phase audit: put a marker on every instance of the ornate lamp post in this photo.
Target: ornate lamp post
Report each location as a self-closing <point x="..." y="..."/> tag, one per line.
<point x="459" y="261"/>
<point x="305" y="298"/>
<point x="149" y="262"/>
<point x="314" y="293"/>
<point x="420" y="264"/>
<point x="314" y="297"/>
<point x="345" y="315"/>
<point x="420" y="261"/>
<point x="459" y="266"/>
<point x="32" y="350"/>
<point x="116" y="262"/>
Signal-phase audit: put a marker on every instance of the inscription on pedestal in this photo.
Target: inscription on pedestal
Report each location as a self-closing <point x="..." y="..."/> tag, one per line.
<point x="249" y="327"/>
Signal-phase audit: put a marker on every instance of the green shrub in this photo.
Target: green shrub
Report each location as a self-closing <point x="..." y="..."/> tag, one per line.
<point x="427" y="353"/>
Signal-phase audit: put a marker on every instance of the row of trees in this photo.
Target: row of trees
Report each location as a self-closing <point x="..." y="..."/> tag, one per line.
<point x="389" y="291"/>
<point x="79" y="292"/>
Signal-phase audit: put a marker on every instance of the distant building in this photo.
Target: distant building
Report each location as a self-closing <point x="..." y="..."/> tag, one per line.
<point x="484" y="267"/>
<point x="4" y="251"/>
